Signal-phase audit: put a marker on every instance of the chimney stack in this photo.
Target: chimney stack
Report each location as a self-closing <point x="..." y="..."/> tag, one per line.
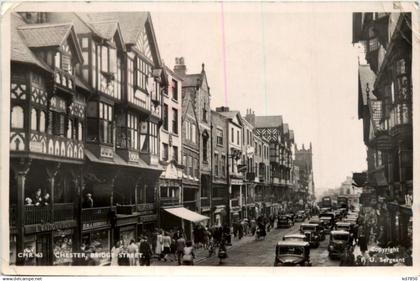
<point x="180" y="67"/>
<point x="250" y="116"/>
<point x="222" y="109"/>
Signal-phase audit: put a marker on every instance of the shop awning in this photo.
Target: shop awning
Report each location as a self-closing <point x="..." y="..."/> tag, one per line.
<point x="186" y="214"/>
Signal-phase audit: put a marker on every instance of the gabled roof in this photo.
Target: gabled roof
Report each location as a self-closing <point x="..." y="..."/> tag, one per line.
<point x="50" y="35"/>
<point x="232" y="115"/>
<point x="131" y="25"/>
<point x="268" y="121"/>
<point x="45" y="35"/>
<point x="19" y="50"/>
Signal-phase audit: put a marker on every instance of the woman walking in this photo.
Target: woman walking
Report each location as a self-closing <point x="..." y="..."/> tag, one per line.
<point x="189" y="256"/>
<point x="159" y="244"/>
<point x="166" y="241"/>
<point x="115" y="252"/>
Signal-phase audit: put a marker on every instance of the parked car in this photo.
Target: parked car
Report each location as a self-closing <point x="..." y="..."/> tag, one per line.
<point x="322" y="227"/>
<point x="292" y="253"/>
<point x="339" y="240"/>
<point x="284" y="221"/>
<point x="346" y="226"/>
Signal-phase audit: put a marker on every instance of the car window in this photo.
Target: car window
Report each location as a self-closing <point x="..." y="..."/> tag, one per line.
<point x="340" y="237"/>
<point x="290" y="251"/>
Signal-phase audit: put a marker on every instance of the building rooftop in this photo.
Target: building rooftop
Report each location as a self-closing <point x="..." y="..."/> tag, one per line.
<point x="268" y="121"/>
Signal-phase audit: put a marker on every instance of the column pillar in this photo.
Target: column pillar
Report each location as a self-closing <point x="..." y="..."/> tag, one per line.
<point x="21" y="170"/>
<point x="52" y="173"/>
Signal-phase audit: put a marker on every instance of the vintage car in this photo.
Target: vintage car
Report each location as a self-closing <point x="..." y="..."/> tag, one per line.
<point x="313" y="233"/>
<point x="284" y="221"/>
<point x="292" y="216"/>
<point x="300" y="216"/>
<point x="295" y="237"/>
<point x="292" y="253"/>
<point x="346" y="226"/>
<point x="327" y="223"/>
<point x="339" y="240"/>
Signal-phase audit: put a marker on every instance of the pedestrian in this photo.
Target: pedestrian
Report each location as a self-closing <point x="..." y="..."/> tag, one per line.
<point x="188" y="255"/>
<point x="166" y="242"/>
<point x="159" y="244"/>
<point x="145" y="252"/>
<point x="115" y="251"/>
<point x="88" y="202"/>
<point x="180" y="245"/>
<point x="38" y="198"/>
<point x="363" y="242"/>
<point x="132" y="251"/>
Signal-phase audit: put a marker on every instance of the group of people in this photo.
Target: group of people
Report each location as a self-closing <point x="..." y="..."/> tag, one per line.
<point x="135" y="253"/>
<point x="174" y="247"/>
<point x="38" y="199"/>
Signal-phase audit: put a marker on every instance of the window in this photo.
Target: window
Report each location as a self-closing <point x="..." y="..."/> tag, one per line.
<point x="153" y="138"/>
<point x="196" y="169"/>
<point x="42" y="121"/>
<point x="118" y="79"/>
<point x="69" y="129"/>
<point x="223" y="165"/>
<point x="205" y="140"/>
<point x="94" y="69"/>
<point x="165" y="117"/>
<point x="17" y="117"/>
<point x="142" y="72"/>
<point x="219" y="136"/>
<point x="174" y="89"/>
<point x="57" y="60"/>
<point x="187" y="130"/>
<point x="237" y="137"/>
<point x="105" y="123"/>
<point x="190" y="166"/>
<point x="34" y="117"/>
<point x="104" y="58"/>
<point x="174" y="121"/>
<point x="132" y="131"/>
<point x="193" y="133"/>
<point x="175" y="153"/>
<point x="130" y="78"/>
<point x="80" y="131"/>
<point x="184" y="162"/>
<point x="165" y="152"/>
<point x="232" y="136"/>
<point x="216" y="164"/>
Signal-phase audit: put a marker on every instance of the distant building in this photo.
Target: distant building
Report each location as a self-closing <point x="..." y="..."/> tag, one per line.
<point x="303" y="160"/>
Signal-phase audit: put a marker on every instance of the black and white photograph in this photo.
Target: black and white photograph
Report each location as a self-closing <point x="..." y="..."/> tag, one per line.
<point x="233" y="136"/>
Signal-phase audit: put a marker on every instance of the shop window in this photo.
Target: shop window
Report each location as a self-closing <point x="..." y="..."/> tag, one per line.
<point x="17" y="117"/>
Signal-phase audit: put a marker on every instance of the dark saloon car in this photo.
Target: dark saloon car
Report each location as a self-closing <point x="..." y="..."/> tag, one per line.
<point x="292" y="253"/>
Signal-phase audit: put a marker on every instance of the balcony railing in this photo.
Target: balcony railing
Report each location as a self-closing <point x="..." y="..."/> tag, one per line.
<point x="34" y="215"/>
<point x="95" y="214"/>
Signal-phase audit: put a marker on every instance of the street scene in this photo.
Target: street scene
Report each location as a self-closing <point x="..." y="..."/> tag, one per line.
<point x="132" y="145"/>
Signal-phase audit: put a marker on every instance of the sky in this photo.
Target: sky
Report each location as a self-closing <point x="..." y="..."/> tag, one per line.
<point x="302" y="66"/>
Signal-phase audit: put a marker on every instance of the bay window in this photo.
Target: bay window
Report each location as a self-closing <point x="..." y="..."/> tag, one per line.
<point x="105" y="123"/>
<point x="153" y="136"/>
<point x="132" y="130"/>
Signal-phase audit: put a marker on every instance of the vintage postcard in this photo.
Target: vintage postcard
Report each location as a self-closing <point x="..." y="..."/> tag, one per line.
<point x="202" y="137"/>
